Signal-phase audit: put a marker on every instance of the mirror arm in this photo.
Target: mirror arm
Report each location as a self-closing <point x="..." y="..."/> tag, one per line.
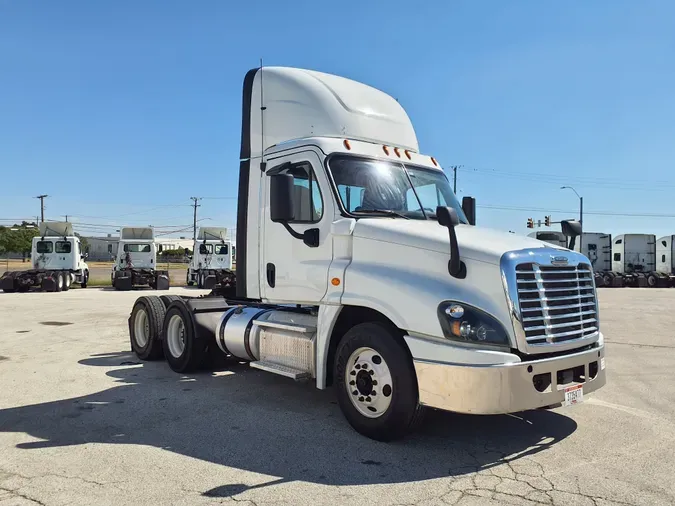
<point x="456" y="267"/>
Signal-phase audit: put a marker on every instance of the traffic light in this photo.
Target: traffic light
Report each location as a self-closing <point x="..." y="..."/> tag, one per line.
<point x="530" y="223"/>
<point x="547" y="221"/>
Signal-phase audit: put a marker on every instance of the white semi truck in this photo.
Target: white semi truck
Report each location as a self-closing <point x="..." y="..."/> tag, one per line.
<point x="550" y="236"/>
<point x="211" y="262"/>
<point x="136" y="262"/>
<point x="665" y="257"/>
<point x="358" y="268"/>
<point x="57" y="261"/>
<point x="634" y="262"/>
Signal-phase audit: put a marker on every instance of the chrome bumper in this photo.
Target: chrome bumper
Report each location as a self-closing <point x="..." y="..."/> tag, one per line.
<point x="507" y="388"/>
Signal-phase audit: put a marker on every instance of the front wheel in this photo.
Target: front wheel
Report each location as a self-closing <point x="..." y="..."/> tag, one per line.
<point x="85" y="279"/>
<point x="376" y="383"/>
<point x="188" y="280"/>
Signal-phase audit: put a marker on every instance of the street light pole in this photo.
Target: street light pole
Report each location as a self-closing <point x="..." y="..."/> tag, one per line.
<point x="581" y="216"/>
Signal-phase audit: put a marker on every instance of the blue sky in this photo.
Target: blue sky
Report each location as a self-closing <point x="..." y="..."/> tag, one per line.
<point x="121" y="111"/>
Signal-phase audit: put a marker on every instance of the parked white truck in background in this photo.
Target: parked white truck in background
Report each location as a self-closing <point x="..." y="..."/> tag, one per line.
<point x="665" y="257"/>
<point x="358" y="268"/>
<point x="57" y="259"/>
<point x="557" y="239"/>
<point x="136" y="262"/>
<point x="211" y="258"/>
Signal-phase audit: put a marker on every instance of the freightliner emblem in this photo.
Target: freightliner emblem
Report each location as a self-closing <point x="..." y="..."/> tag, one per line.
<point x="560" y="260"/>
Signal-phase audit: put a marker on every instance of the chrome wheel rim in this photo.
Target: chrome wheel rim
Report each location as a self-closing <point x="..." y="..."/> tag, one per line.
<point x="175" y="336"/>
<point x="142" y="328"/>
<point x="368" y="382"/>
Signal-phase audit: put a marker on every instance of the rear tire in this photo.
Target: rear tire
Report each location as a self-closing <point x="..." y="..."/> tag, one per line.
<point x="145" y="327"/>
<point x="67" y="280"/>
<point x="652" y="280"/>
<point x="375" y="350"/>
<point x="200" y="280"/>
<point x="59" y="281"/>
<point x="182" y="350"/>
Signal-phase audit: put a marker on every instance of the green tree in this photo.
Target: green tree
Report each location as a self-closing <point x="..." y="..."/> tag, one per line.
<point x="84" y="243"/>
<point x="18" y="238"/>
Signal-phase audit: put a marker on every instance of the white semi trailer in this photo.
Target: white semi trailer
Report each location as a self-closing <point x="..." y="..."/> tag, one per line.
<point x="634" y="262"/>
<point x="57" y="259"/>
<point x="211" y="262"/>
<point x="358" y="268"/>
<point x="136" y="262"/>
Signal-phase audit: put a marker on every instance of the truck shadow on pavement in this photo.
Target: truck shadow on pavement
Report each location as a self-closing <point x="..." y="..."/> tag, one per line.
<point x="254" y="421"/>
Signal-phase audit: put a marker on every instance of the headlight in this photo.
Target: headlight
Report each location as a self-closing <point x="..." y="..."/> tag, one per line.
<point x="461" y="322"/>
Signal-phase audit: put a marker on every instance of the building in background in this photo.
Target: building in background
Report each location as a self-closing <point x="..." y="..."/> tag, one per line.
<point x="104" y="249"/>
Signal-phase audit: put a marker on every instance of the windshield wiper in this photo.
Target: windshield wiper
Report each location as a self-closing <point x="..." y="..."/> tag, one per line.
<point x="387" y="212"/>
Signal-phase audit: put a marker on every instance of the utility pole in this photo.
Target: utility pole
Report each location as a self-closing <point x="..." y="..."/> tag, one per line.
<point x="42" y="205"/>
<point x="194" y="223"/>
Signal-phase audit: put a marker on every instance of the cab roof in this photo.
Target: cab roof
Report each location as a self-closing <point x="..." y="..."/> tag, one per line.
<point x="293" y="103"/>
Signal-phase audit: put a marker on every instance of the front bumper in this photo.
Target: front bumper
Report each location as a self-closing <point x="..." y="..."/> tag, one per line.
<point x="507" y="388"/>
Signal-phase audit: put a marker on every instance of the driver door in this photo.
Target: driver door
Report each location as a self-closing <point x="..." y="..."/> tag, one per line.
<point x="292" y="271"/>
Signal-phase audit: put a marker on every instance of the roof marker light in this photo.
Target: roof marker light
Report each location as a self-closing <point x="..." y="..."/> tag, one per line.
<point x="433" y="160"/>
<point x="407" y="153"/>
<point x="398" y="153"/>
<point x="386" y="150"/>
<point x="346" y="144"/>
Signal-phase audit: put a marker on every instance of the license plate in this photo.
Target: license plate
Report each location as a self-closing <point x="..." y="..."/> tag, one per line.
<point x="574" y="395"/>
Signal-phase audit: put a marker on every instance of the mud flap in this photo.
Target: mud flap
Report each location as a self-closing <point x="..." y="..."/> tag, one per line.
<point x="162" y="282"/>
<point x="210" y="281"/>
<point x="123" y="281"/>
<point x="7" y="283"/>
<point x="642" y="281"/>
<point x="49" y="283"/>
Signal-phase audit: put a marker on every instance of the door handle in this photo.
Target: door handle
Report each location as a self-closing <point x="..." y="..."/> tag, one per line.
<point x="271" y="275"/>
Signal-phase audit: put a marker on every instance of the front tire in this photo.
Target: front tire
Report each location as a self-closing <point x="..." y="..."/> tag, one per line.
<point x="375" y="382"/>
<point x="145" y="327"/>
<point x="67" y="280"/>
<point x="85" y="279"/>
<point x="188" y="280"/>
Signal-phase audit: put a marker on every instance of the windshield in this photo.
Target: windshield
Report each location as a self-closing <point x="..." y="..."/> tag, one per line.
<point x="379" y="188"/>
<point x="137" y="248"/>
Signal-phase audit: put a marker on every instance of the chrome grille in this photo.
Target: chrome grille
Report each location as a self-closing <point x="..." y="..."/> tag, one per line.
<point x="557" y="304"/>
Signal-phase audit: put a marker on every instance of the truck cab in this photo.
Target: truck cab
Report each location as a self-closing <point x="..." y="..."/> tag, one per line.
<point x="57" y="260"/>
<point x="357" y="267"/>
<point x="212" y="257"/>
<point x="136" y="262"/>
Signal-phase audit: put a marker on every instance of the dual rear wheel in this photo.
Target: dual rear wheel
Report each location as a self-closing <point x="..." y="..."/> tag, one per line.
<point x="374" y="377"/>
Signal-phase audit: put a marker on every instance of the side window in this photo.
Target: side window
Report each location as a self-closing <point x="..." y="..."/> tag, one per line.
<point x="110" y="246"/>
<point x="619" y="241"/>
<point x="617" y="257"/>
<point x="307" y="197"/>
<point x="63" y="247"/>
<point x="205" y="249"/>
<point x="663" y="258"/>
<point x="665" y="244"/>
<point x="45" y="246"/>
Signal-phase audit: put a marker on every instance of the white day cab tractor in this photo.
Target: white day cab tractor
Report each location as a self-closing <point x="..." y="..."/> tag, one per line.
<point x="211" y="262"/>
<point x="136" y="263"/>
<point x="57" y="259"/>
<point x="358" y="268"/>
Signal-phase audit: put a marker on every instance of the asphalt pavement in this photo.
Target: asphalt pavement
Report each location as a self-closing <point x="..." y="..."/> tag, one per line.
<point x="83" y="422"/>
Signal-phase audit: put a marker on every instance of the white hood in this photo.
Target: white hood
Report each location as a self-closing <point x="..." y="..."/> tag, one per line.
<point x="476" y="243"/>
